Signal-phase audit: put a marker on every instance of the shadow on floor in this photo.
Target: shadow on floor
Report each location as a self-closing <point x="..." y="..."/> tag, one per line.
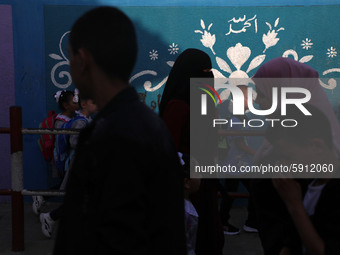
<point x="37" y="244"/>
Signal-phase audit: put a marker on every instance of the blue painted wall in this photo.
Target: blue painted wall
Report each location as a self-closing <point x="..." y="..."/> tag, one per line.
<point x="6" y="88"/>
<point x="165" y="29"/>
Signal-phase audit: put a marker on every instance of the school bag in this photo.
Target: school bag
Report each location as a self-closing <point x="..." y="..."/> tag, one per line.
<point x="46" y="141"/>
<point x="62" y="145"/>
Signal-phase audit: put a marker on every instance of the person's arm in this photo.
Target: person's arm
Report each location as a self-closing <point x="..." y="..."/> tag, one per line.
<point x="290" y="192"/>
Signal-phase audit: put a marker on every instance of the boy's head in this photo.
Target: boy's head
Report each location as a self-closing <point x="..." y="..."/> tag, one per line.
<point x="191" y="185"/>
<point x="106" y="35"/>
<point x="310" y="141"/>
<point x="87" y="106"/>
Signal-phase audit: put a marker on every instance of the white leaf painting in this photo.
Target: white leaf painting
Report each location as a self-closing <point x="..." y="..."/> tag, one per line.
<point x="256" y="62"/>
<point x="305" y="59"/>
<point x="202" y="24"/>
<point x="223" y="65"/>
<point x="276" y="22"/>
<point x="170" y="63"/>
<point x="55" y="56"/>
<point x="270" y="26"/>
<point x="217" y="74"/>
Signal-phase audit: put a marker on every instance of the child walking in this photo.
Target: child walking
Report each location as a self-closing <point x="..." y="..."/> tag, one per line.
<point x="68" y="103"/>
<point x="80" y="121"/>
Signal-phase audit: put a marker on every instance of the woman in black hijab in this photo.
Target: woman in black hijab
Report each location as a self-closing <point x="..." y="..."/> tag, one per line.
<point x="175" y="103"/>
<point x="175" y="111"/>
<point x="192" y="63"/>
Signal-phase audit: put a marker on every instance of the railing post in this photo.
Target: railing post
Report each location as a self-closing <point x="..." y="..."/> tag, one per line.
<point x="17" y="179"/>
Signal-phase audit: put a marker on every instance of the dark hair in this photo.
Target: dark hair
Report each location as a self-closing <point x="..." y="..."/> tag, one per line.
<point x="64" y="97"/>
<point x="186" y="166"/>
<point x="109" y="35"/>
<point x="189" y="64"/>
<point x="309" y="127"/>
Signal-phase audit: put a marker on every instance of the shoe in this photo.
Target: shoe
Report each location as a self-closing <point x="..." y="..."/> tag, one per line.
<point x="250" y="229"/>
<point x="230" y="230"/>
<point x="46" y="224"/>
<point x="38" y="201"/>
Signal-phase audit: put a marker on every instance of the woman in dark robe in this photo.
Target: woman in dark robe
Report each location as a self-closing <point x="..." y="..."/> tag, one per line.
<point x="176" y="111"/>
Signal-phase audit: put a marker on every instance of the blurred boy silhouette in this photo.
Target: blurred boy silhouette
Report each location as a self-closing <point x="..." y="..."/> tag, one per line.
<point x="124" y="194"/>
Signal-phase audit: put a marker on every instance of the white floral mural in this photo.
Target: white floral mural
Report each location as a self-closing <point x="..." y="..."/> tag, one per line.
<point x="237" y="41"/>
